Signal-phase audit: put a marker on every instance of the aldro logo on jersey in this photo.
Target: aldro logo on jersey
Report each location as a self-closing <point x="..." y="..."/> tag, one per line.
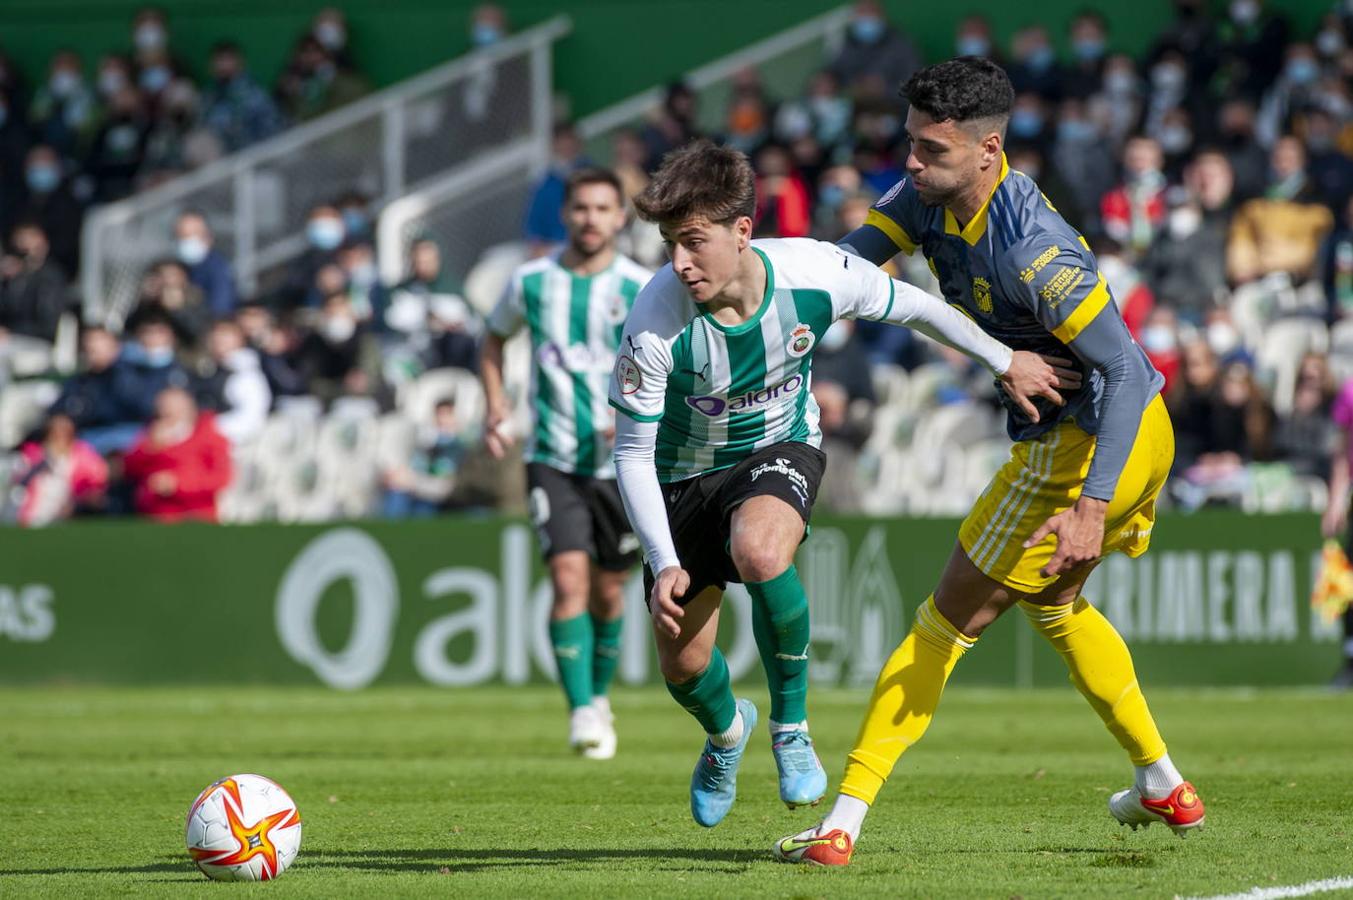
<point x="981" y="295"/>
<point x="751" y="401"/>
<point x="801" y="340"/>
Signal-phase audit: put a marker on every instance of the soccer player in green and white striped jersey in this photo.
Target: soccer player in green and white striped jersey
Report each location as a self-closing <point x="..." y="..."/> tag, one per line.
<point x="574" y="304"/>
<point x="717" y="445"/>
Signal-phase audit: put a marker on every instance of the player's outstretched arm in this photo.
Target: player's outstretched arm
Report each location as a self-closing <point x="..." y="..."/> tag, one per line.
<point x="642" y="496"/>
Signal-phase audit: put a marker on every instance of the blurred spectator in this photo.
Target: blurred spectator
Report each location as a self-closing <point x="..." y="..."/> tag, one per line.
<point x="439" y="327"/>
<point x="33" y="292"/>
<point x="357" y="261"/>
<point x="972" y="37"/>
<point x="421" y="487"/>
<point x="51" y="204"/>
<point x="243" y="385"/>
<point x="150" y="39"/>
<point x="544" y="222"/>
<point x="1082" y="166"/>
<point x="1129" y="288"/>
<point x="1252" y="42"/>
<point x="830" y="109"/>
<point x="1089" y="35"/>
<point x="58" y="475"/>
<point x="1035" y="68"/>
<point x="14" y="85"/>
<point x="235" y="107"/>
<point x="273" y="345"/>
<point x="1283" y="231"/>
<point x="167" y="291"/>
<point x="313" y="84"/>
<point x="782" y="197"/>
<point x="747" y="124"/>
<point x="1159" y="337"/>
<point x="1194" y="34"/>
<point x="155" y="71"/>
<point x="324" y="234"/>
<point x="1304" y="438"/>
<point x="65" y="111"/>
<point x="1119" y="108"/>
<point x="1297" y="87"/>
<point x="1330" y="170"/>
<point x="874" y="50"/>
<point x="672" y="125"/>
<point x="114" y="74"/>
<point x="173" y="134"/>
<point x="1248" y="159"/>
<point x="1133" y="212"/>
<point x="488" y="25"/>
<point x="834" y="187"/>
<point x="1336" y="259"/>
<point x="119" y="148"/>
<point x="1175" y="136"/>
<point x="339" y="344"/>
<point x="1225" y="428"/>
<point x="207" y="267"/>
<point x="354" y="207"/>
<point x="330" y="28"/>
<point x="1170" y="90"/>
<point x="1186" y="265"/>
<point x="180" y="463"/>
<point x="1029" y="122"/>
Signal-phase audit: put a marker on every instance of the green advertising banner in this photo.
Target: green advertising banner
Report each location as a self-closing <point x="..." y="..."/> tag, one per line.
<point x="1221" y="599"/>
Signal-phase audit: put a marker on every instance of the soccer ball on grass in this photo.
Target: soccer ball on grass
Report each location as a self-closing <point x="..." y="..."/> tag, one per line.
<point x="243" y="828"/>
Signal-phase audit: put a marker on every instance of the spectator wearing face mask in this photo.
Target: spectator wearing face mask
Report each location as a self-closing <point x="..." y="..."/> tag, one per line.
<point x="1249" y="161"/>
<point x="1330" y="170"/>
<point x="1133" y="212"/>
<point x="1282" y="231"/>
<point x="488" y="25"/>
<point x="972" y="37"/>
<point x="330" y="28"/>
<point x="50" y="202"/>
<point x="357" y="260"/>
<point x="1159" y="338"/>
<point x="65" y="112"/>
<point x="1083" y="164"/>
<point x="174" y="143"/>
<point x="338" y="345"/>
<point x="874" y="48"/>
<point x="1186" y="264"/>
<point x="1028" y="126"/>
<point x="274" y="345"/>
<point x="243" y="386"/>
<point x="180" y="464"/>
<point x="1118" y="107"/>
<point x="421" y="486"/>
<point x="544" y="210"/>
<point x="1035" y="69"/>
<point x="1296" y="88"/>
<point x="153" y="62"/>
<point x="234" y="106"/>
<point x="166" y="291"/>
<point x="1194" y="34"/>
<point x="313" y="83"/>
<point x="1089" y="39"/>
<point x="1168" y="90"/>
<point x="324" y="234"/>
<point x="354" y="207"/>
<point x="207" y="267"/>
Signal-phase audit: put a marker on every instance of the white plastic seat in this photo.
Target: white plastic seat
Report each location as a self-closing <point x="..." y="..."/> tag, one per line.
<point x="1284" y="343"/>
<point x="489" y="275"/>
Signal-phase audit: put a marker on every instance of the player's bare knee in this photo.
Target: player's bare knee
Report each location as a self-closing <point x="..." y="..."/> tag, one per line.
<point x="680" y="664"/>
<point x="757" y="561"/>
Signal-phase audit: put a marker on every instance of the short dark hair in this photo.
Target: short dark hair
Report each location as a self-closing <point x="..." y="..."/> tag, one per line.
<point x="965" y="89"/>
<point x="701" y="180"/>
<point x="593" y="175"/>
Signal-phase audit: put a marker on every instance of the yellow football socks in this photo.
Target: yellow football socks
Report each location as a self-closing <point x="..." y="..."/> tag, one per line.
<point x="1101" y="669"/>
<point x="904" y="700"/>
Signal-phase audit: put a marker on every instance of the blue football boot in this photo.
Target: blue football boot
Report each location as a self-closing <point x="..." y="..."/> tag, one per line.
<point x="802" y="780"/>
<point x="714" y="783"/>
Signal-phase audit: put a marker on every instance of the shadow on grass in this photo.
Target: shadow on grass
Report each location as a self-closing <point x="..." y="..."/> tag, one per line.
<point x="167" y="864"/>
<point x="477" y="860"/>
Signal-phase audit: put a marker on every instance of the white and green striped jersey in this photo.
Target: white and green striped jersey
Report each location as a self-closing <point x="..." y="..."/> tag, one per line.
<point x="575" y="323"/>
<point x="719" y="392"/>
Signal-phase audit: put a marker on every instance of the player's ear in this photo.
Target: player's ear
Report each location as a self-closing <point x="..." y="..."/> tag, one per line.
<point x="742" y="227"/>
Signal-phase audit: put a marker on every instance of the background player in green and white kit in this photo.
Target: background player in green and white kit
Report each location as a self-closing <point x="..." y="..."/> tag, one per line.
<point x="717" y="448"/>
<point x="574" y="303"/>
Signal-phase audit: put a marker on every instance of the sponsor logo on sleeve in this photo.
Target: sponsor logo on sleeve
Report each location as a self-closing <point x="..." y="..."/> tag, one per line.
<point x="1039" y="263"/>
<point x="981" y="295"/>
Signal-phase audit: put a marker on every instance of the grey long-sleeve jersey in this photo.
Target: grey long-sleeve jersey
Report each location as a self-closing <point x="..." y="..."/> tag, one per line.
<point x="1030" y="281"/>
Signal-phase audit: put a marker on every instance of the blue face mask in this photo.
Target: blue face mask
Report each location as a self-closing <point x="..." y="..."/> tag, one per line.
<point x="192" y="250"/>
<point x="355" y="221"/>
<point x="867" y="29"/>
<point x="1088" y="49"/>
<point x="1302" y="71"/>
<point x="42" y="178"/>
<point x="831" y="196"/>
<point x="1042" y="59"/>
<point x="484" y="35"/>
<point x="972" y="45"/>
<point x="324" y="234"/>
<point x="155" y="79"/>
<point x="1026" y="123"/>
<point x="1076" y="131"/>
<point x="159" y="357"/>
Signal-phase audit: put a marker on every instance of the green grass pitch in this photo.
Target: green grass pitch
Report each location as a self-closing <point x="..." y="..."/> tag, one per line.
<point x="425" y="792"/>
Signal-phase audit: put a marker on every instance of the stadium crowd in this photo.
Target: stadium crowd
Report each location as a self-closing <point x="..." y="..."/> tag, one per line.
<point x="1212" y="176"/>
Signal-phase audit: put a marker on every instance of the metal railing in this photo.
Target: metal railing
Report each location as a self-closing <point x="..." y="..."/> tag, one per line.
<point x="467" y="215"/>
<point x="385" y="145"/>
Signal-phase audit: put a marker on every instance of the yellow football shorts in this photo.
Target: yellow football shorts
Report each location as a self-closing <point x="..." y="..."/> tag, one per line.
<point x="1044" y="477"/>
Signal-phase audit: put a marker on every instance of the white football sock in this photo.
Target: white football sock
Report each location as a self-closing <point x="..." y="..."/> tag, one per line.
<point x="781" y="727"/>
<point x="730" y="737"/>
<point x="1157" y="780"/>
<point x="848" y="815"/>
<point x="602" y="705"/>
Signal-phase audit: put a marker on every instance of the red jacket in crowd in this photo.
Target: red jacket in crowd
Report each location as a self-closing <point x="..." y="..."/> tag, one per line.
<point x="200" y="465"/>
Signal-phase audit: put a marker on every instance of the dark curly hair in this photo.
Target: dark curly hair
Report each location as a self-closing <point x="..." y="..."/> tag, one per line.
<point x="965" y="89"/>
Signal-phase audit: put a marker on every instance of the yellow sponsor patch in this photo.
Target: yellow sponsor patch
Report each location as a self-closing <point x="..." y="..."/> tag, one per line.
<point x="1039" y="264"/>
<point x="1061" y="285"/>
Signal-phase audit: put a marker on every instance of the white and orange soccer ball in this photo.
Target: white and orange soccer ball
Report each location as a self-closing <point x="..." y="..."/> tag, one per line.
<point x="243" y="828"/>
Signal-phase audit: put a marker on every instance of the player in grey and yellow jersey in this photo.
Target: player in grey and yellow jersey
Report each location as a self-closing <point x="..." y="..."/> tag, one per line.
<point x="1083" y="476"/>
<point x="717" y="444"/>
<point x="574" y="303"/>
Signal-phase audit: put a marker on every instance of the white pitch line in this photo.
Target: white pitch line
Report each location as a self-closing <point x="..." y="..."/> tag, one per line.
<point x="1293" y="890"/>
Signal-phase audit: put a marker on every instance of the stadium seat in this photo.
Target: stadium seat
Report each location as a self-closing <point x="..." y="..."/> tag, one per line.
<point x="22" y="407"/>
<point x="1284" y="343"/>
<point x="485" y="282"/>
<point x="421" y="397"/>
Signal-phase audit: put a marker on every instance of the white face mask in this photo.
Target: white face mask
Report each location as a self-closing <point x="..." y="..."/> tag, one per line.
<point x="192" y="250"/>
<point x="1222" y="338"/>
<point x="1184" y="221"/>
<point x="1158" y="339"/>
<point x="338" y="329"/>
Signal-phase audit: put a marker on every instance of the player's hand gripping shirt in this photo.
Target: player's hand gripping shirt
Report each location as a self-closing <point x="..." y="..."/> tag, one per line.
<point x="1029" y="280"/>
<point x="719" y="393"/>
<point x="575" y="323"/>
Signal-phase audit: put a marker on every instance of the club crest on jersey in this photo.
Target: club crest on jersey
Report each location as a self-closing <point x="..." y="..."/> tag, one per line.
<point x="617" y="311"/>
<point x="627" y="375"/>
<point x="801" y="340"/>
<point x="981" y="295"/>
